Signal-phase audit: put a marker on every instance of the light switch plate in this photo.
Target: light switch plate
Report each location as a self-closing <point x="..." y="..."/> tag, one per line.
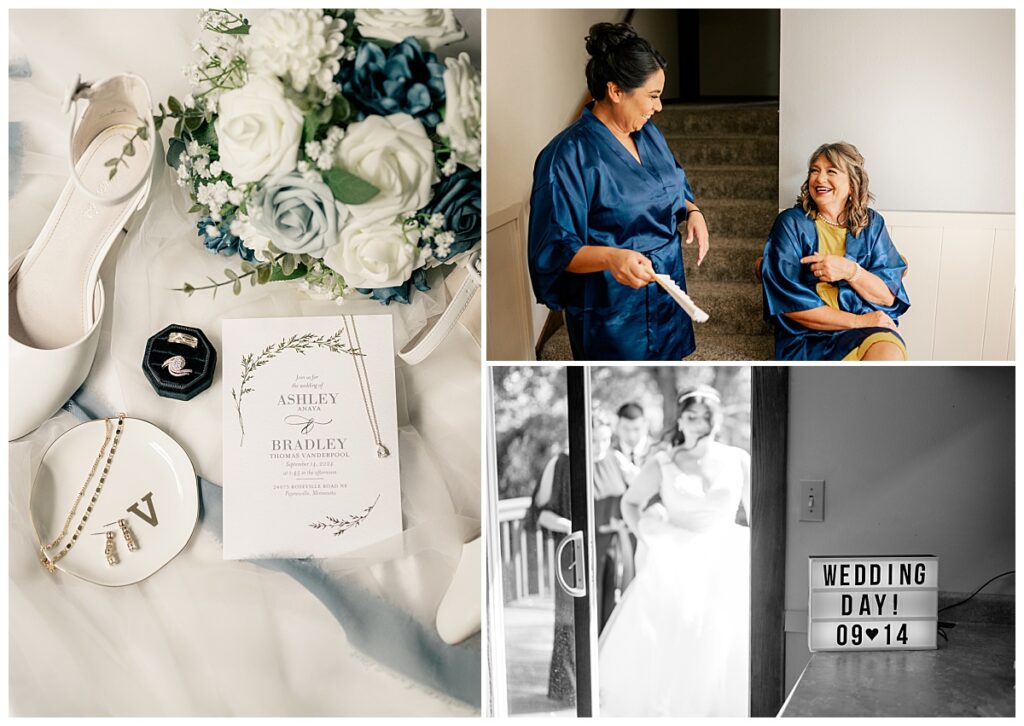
<point x="812" y="501"/>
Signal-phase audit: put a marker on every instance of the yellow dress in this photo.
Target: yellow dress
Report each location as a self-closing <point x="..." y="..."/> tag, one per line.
<point x="832" y="241"/>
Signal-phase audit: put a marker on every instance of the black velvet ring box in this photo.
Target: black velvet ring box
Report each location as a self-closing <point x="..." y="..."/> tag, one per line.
<point x="201" y="361"/>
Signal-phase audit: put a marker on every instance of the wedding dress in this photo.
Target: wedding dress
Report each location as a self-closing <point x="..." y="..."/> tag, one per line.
<point x="678" y="643"/>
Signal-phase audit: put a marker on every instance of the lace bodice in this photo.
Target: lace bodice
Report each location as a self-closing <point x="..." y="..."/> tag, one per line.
<point x="709" y="496"/>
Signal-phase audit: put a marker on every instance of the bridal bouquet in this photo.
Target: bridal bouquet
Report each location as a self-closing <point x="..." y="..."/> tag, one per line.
<point x="330" y="146"/>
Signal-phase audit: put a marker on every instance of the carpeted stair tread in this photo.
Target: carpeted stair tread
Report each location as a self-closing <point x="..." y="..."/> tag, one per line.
<point x="711" y="346"/>
<point x="725" y="150"/>
<point x="735" y="307"/>
<point x="733" y="182"/>
<point x="728" y="260"/>
<point x="739" y="217"/>
<point x="732" y="118"/>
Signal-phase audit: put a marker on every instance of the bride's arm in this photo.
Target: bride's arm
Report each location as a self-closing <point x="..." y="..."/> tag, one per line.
<point x="645" y="486"/>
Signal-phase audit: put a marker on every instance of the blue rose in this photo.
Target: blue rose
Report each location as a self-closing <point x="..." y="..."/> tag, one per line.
<point x="458" y="198"/>
<point x="299" y="215"/>
<point x="223" y="242"/>
<point x="400" y="293"/>
<point x="402" y="79"/>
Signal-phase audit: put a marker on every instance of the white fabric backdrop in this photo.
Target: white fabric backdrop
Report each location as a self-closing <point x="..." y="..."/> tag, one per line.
<point x="205" y="636"/>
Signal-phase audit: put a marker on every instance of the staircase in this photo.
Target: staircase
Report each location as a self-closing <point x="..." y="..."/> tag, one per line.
<point x="731" y="157"/>
<point x="730" y="154"/>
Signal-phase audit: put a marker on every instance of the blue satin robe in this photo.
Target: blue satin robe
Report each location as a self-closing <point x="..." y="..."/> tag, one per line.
<point x="789" y="286"/>
<point x="589" y="190"/>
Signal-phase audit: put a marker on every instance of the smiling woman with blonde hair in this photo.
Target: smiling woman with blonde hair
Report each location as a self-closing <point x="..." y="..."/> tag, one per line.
<point x="833" y="281"/>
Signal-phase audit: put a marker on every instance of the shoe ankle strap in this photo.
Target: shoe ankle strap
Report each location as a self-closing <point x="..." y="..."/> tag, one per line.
<point x="123" y="98"/>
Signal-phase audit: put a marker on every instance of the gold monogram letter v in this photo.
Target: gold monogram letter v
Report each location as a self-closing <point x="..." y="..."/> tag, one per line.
<point x="150" y="518"/>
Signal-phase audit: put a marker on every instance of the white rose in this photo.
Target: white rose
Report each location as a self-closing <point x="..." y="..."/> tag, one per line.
<point x="374" y="255"/>
<point x="258" y="130"/>
<point x="461" y="123"/>
<point x="394" y="154"/>
<point x="433" y="28"/>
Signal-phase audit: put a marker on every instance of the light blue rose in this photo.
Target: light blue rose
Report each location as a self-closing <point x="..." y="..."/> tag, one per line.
<point x="299" y="215"/>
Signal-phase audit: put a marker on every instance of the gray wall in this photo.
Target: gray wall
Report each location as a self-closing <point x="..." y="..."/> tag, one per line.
<point x="926" y="95"/>
<point x="916" y="461"/>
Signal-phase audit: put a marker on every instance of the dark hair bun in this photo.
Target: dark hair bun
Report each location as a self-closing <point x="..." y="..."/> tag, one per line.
<point x="618" y="55"/>
<point x="606" y="36"/>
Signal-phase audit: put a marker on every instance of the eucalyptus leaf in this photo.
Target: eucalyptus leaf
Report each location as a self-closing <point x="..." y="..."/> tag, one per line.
<point x="263" y="276"/>
<point x="246" y="266"/>
<point x="174" y="149"/>
<point x="206" y="134"/>
<point x="230" y="273"/>
<point x="178" y="127"/>
<point x="129" y="149"/>
<point x="196" y="208"/>
<point x="299" y="271"/>
<point x="111" y="162"/>
<point x="287" y="264"/>
<point x="113" y="171"/>
<point x="143" y="133"/>
<point x="347" y="188"/>
<point x="237" y="287"/>
<point x="192" y="123"/>
<point x="174" y="105"/>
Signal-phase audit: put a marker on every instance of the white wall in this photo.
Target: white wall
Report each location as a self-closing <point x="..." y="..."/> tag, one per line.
<point x="916" y="460"/>
<point x="536" y="78"/>
<point x="926" y="95"/>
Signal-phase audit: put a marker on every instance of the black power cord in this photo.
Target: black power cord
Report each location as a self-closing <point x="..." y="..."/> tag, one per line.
<point x="943" y="626"/>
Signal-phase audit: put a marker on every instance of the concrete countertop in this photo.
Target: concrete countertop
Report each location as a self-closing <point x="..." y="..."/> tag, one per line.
<point x="971" y="675"/>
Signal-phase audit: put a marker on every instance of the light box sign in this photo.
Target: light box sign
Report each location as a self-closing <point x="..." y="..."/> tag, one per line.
<point x="873" y="603"/>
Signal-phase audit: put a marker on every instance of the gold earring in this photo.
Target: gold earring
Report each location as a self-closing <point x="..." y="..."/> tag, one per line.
<point x="129" y="537"/>
<point x="110" y="547"/>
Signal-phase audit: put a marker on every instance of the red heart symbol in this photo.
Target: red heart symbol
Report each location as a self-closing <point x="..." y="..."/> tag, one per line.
<point x="872" y="632"/>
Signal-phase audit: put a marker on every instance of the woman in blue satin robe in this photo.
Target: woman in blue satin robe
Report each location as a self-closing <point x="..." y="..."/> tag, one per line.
<point x="608" y="198"/>
<point x="833" y="280"/>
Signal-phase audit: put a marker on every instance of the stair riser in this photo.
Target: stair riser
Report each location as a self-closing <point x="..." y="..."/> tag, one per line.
<point x="731" y="221"/>
<point x="719" y="121"/>
<point x="749" y="151"/>
<point x="721" y="265"/>
<point x="741" y="185"/>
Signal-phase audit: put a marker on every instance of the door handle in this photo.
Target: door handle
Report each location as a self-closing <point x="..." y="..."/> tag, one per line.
<point x="579" y="587"/>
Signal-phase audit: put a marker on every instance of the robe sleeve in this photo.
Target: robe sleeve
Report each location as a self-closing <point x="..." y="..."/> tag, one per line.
<point x="558" y="226"/>
<point x="780" y="271"/>
<point x="885" y="262"/>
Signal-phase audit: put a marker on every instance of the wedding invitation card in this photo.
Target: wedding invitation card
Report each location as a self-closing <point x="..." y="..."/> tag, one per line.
<point x="310" y="436"/>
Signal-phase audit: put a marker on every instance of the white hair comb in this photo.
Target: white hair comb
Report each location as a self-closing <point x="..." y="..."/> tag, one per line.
<point x="685" y="301"/>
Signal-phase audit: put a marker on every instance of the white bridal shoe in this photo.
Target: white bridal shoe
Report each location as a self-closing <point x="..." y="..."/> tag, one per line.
<point x="55" y="297"/>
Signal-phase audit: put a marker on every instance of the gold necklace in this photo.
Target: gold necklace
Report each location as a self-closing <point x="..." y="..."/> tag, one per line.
<point x="50" y="563"/>
<point x="359" y="361"/>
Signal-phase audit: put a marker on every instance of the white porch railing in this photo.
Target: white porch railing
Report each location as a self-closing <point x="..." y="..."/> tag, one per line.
<point x="527" y="557"/>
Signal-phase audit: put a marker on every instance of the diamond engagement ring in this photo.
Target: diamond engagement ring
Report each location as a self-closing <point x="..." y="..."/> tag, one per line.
<point x="184" y="338"/>
<point x="175" y="365"/>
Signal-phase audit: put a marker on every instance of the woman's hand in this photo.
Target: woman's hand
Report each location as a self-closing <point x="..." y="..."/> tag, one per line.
<point x="876" y="319"/>
<point x="629" y="267"/>
<point x="697" y="227"/>
<point x="830" y="268"/>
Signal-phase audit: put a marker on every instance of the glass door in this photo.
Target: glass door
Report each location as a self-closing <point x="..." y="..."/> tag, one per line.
<point x="540" y="644"/>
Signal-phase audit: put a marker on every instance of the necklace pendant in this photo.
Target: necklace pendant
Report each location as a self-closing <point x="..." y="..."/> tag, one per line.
<point x="382" y="451"/>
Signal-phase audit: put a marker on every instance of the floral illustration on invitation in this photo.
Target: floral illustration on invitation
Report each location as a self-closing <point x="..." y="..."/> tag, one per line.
<point x="310" y="436"/>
